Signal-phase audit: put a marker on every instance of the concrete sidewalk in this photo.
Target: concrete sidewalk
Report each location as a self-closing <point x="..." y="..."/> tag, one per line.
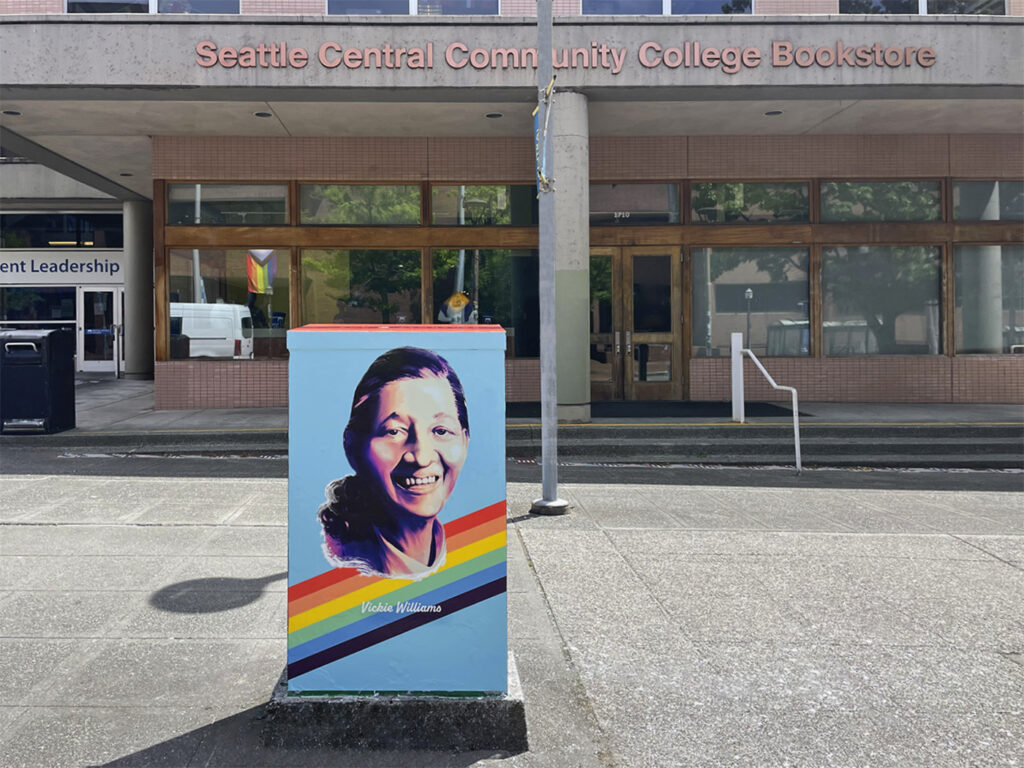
<point x="671" y="625"/>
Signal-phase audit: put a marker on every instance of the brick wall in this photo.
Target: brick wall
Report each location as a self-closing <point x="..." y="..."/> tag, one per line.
<point x="794" y="7"/>
<point x="342" y="158"/>
<point x="1015" y="7"/>
<point x="529" y="7"/>
<point x="31" y="6"/>
<point x="988" y="379"/>
<point x="189" y="384"/>
<point x="612" y="158"/>
<point x="904" y="379"/>
<point x="193" y="384"/>
<point x="713" y="157"/>
<point x="522" y="380"/>
<point x="182" y="385"/>
<point x="283" y="7"/>
<point x="996" y="156"/>
<point x="312" y="158"/>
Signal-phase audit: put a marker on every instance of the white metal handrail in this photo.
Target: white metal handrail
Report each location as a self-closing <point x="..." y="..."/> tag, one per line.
<point x="738" y="398"/>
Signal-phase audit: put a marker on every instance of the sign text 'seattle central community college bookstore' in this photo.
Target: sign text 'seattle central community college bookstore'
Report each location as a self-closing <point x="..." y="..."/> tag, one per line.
<point x="689" y="54"/>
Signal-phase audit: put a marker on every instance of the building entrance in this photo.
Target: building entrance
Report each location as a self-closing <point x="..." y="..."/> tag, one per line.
<point x="636" y="324"/>
<point x="100" y="329"/>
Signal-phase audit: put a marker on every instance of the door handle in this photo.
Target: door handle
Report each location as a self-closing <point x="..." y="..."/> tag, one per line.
<point x="618" y="345"/>
<point x="629" y="342"/>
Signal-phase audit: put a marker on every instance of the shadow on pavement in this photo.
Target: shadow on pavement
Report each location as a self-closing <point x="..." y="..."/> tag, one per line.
<point x="235" y="741"/>
<point x="212" y="595"/>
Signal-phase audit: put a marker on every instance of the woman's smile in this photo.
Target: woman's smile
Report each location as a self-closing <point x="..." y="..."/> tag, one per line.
<point x="416" y="484"/>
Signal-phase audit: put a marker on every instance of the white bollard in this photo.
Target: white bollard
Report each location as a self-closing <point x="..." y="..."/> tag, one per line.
<point x="736" y="348"/>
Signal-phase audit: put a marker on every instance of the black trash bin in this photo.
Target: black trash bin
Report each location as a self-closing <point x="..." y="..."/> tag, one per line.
<point x="37" y="381"/>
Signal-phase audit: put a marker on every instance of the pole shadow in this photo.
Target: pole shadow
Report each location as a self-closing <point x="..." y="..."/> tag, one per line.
<point x="212" y="595"/>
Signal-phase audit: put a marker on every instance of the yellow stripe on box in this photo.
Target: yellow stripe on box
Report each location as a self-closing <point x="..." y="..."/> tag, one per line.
<point x="385" y="586"/>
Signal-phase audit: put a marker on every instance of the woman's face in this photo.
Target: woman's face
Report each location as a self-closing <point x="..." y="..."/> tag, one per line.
<point x="418" y="446"/>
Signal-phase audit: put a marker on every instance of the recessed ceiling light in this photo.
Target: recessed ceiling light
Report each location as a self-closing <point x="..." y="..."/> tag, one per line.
<point x="262" y="114"/>
<point x="126" y="174"/>
<point x="773" y="113"/>
<point x="12" y="113"/>
<point x="494" y="115"/>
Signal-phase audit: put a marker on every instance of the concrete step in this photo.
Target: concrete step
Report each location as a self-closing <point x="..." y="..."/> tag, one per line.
<point x="773" y="431"/>
<point x="1006" y="461"/>
<point x="888" y="446"/>
<point x="972" y="445"/>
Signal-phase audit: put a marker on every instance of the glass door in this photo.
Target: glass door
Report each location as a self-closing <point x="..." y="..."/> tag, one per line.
<point x="635" y="324"/>
<point x="99" y="329"/>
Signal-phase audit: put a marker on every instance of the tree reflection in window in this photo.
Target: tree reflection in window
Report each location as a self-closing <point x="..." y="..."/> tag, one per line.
<point x="360" y="204"/>
<point x="361" y="286"/>
<point x="881" y="201"/>
<point x="760" y="292"/>
<point x="881" y="300"/>
<point x="750" y="202"/>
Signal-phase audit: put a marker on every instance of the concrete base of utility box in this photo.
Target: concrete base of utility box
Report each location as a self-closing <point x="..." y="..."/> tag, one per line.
<point x="406" y="722"/>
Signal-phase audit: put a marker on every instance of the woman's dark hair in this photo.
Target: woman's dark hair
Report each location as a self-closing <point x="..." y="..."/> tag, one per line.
<point x="350" y="494"/>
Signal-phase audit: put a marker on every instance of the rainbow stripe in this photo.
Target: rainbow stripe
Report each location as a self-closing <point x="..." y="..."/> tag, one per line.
<point x="341" y="612"/>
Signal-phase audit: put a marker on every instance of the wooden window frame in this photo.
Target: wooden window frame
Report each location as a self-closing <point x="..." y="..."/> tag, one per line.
<point x="946" y="234"/>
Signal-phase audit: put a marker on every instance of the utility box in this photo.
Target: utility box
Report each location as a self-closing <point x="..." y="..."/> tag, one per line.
<point x="396" y="511"/>
<point x="37" y="381"/>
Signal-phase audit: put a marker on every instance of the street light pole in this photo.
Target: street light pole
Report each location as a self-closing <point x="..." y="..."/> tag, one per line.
<point x="549" y="503"/>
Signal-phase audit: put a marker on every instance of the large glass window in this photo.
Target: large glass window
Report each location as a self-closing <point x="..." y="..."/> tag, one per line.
<point x="61" y="230"/>
<point x="881" y="300"/>
<point x="759" y="292"/>
<point x="359" y="204"/>
<point x="44" y="304"/>
<point x="361" y="286"/>
<point x="627" y="7"/>
<point x="197" y="6"/>
<point x="878" y="6"/>
<point x="749" y="202"/>
<point x="634" y="204"/>
<point x="989" y="312"/>
<point x="709" y="7"/>
<point x="229" y="303"/>
<point x="974" y="7"/>
<point x="988" y="200"/>
<point x="490" y="286"/>
<point x="881" y="201"/>
<point x="239" y="205"/>
<point x="368" y="7"/>
<point x="457" y="7"/>
<point x="479" y="205"/>
<point x="123" y="6"/>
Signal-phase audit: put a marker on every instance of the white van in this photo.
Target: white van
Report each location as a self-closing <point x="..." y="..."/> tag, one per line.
<point x="214" y="330"/>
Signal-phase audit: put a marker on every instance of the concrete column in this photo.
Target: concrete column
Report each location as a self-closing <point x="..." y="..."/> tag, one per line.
<point x="571" y="144"/>
<point x="983" y="290"/>
<point x="138" y="289"/>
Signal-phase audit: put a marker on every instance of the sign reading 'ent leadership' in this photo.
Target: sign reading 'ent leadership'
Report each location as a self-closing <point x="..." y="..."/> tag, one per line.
<point x="597" y="56"/>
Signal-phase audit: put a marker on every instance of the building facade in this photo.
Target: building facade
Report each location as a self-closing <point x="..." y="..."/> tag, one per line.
<point x="843" y="185"/>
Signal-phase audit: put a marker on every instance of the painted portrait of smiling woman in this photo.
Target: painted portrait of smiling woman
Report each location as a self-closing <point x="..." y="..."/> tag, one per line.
<point x="406" y="438"/>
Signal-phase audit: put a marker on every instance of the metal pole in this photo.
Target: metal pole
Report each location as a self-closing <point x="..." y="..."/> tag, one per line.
<point x="549" y="504"/>
<point x="736" y="358"/>
<point x="197" y="276"/>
